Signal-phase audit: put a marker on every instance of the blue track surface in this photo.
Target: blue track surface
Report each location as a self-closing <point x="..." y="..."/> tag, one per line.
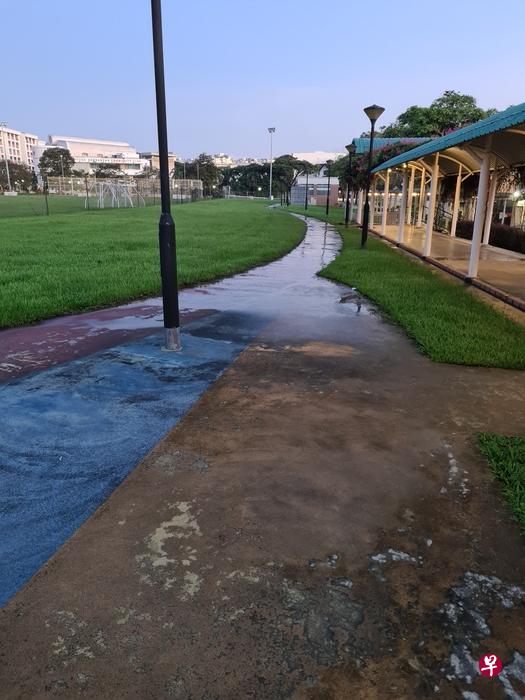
<point x="71" y="434"/>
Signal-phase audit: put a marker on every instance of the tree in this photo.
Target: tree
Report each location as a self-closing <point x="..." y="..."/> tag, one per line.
<point x="358" y="174"/>
<point x="53" y="160"/>
<point x="20" y="175"/>
<point x="247" y="179"/>
<point x="106" y="170"/>
<point x="149" y="173"/>
<point x="446" y="113"/>
<point x="286" y="169"/>
<point x="202" y="168"/>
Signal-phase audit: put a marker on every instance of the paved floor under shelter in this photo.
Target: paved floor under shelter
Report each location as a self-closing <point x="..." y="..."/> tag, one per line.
<point x="502" y="269"/>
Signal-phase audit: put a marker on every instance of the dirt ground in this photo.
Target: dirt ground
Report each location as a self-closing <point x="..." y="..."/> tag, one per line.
<point x="320" y="525"/>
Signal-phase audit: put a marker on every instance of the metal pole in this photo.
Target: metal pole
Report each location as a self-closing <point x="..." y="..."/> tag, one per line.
<point x="347" y="212"/>
<point x="2" y="126"/>
<point x="87" y="192"/>
<point x="45" y="183"/>
<point x="271" y="131"/>
<point x="167" y="244"/>
<point x="306" y="195"/>
<point x="328" y="191"/>
<point x="366" y="212"/>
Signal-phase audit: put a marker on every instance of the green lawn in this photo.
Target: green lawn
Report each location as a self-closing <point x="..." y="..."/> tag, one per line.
<point x="72" y="262"/>
<point x="506" y="457"/>
<point x="35" y="205"/>
<point x="447" y="322"/>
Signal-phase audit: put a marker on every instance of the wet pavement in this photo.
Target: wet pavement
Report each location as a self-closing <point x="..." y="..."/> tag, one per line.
<point x="318" y="525"/>
<point x="103" y="375"/>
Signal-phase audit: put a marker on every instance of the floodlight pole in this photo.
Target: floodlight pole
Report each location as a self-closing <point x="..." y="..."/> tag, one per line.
<point x="2" y="126"/>
<point x="167" y="245"/>
<point x="271" y="131"/>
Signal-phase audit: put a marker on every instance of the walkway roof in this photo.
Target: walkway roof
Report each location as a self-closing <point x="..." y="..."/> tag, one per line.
<point x="465" y="146"/>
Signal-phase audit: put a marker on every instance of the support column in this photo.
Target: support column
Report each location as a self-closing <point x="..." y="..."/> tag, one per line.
<point x="455" y="210"/>
<point x="410" y="196"/>
<point x="490" y="206"/>
<point x="422" y="196"/>
<point x="403" y="210"/>
<point x="431" y="206"/>
<point x="386" y="197"/>
<point x="359" y="215"/>
<point x="481" y="207"/>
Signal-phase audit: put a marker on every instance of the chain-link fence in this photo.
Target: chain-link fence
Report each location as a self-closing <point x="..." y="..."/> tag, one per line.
<point x="60" y="195"/>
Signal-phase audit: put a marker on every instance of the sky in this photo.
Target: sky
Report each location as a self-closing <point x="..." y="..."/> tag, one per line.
<point x="235" y="67"/>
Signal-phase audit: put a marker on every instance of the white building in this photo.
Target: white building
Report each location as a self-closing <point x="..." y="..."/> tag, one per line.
<point x="90" y="153"/>
<point x="318" y="157"/>
<point x="248" y="161"/>
<point x="18" y="146"/>
<point x="222" y="160"/>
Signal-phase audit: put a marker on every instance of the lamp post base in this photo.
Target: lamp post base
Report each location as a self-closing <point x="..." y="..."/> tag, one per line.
<point x="173" y="342"/>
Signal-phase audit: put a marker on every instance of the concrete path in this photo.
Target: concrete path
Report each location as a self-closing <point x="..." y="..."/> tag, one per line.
<point x="318" y="525"/>
<point x="104" y="376"/>
<point x="500" y="268"/>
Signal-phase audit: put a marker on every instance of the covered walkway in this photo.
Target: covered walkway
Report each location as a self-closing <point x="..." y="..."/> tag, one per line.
<point x="502" y="269"/>
<point x="486" y="149"/>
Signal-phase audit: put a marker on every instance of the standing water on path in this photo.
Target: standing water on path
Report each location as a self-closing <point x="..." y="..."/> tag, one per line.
<point x="99" y="393"/>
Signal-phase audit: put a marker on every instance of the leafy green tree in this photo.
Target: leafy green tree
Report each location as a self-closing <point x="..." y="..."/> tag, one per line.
<point x="247" y="179"/>
<point x="286" y="168"/>
<point x="358" y="173"/>
<point x="20" y="175"/>
<point x="446" y="113"/>
<point x="202" y="168"/>
<point x="54" y="159"/>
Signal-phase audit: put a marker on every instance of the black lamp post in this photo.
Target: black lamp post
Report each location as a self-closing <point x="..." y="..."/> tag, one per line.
<point x="328" y="163"/>
<point x="351" y="150"/>
<point x="373" y="113"/>
<point x="168" y="254"/>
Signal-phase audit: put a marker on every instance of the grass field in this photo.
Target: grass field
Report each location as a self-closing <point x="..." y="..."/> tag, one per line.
<point x="506" y="457"/>
<point x="73" y="262"/>
<point x="35" y="205"/>
<point x="447" y="322"/>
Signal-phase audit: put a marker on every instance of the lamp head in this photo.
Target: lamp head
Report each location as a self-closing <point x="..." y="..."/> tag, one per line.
<point x="271" y="129"/>
<point x="374" y="112"/>
<point x="329" y="162"/>
<point x="351" y="149"/>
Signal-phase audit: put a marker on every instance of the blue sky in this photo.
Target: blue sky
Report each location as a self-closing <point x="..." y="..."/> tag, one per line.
<point x="234" y="67"/>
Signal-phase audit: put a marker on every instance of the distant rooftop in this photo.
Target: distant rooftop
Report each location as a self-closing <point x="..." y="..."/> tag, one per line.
<point x="78" y="139"/>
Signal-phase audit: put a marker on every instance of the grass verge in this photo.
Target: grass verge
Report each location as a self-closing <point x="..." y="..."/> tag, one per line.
<point x="72" y="262"/>
<point x="506" y="457"/>
<point x="447" y="323"/>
